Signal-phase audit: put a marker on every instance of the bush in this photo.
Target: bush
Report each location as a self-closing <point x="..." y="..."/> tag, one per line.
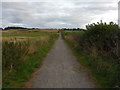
<point x="105" y="38"/>
<point x="99" y="45"/>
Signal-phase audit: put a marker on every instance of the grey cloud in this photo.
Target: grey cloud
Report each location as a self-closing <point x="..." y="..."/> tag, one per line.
<point x="51" y="14"/>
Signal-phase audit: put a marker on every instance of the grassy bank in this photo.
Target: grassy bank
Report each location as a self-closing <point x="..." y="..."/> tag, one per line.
<point x="20" y="58"/>
<point x="96" y="66"/>
<point x="98" y="49"/>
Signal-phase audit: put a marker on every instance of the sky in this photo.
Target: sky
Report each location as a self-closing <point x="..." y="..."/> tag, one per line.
<point x="57" y="13"/>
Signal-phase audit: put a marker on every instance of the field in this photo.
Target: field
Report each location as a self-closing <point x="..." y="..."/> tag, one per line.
<point x="27" y="33"/>
<point x="22" y="52"/>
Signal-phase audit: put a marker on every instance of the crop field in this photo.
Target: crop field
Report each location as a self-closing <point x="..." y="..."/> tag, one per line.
<point x="22" y="52"/>
<point x="27" y="33"/>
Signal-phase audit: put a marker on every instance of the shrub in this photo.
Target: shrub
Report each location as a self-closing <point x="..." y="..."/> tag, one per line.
<point x="100" y="44"/>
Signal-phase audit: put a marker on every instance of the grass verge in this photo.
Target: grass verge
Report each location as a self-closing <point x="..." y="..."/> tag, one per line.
<point x="16" y="78"/>
<point x="96" y="66"/>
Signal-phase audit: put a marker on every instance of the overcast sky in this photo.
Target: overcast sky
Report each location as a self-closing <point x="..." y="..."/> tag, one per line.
<point x="57" y="14"/>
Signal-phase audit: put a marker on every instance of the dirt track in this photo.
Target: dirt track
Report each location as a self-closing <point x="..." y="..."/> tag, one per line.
<point x="60" y="69"/>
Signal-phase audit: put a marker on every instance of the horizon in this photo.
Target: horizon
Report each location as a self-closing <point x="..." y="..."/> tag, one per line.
<point x="58" y="28"/>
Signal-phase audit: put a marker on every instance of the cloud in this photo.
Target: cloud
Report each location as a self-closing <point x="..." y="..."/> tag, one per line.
<point x="59" y="0"/>
<point x="57" y="14"/>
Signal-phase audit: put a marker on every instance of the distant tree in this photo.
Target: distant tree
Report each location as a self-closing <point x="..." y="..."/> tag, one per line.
<point x="9" y="28"/>
<point x="1" y="28"/>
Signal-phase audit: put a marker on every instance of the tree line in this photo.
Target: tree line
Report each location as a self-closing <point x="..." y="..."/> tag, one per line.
<point x="13" y="28"/>
<point x="72" y="29"/>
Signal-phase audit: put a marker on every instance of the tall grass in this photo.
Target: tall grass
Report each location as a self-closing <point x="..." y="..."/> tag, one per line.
<point x="20" y="58"/>
<point x="99" y="48"/>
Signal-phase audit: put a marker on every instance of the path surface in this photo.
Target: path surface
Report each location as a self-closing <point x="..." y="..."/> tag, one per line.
<point x="60" y="69"/>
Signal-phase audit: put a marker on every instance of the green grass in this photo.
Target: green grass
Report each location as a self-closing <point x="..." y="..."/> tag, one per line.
<point x="71" y="32"/>
<point x="33" y="34"/>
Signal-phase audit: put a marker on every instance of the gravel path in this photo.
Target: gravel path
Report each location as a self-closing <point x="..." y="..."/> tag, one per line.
<point x="60" y="69"/>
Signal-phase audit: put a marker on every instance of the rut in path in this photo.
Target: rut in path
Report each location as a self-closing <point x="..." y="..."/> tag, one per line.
<point x="60" y="69"/>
